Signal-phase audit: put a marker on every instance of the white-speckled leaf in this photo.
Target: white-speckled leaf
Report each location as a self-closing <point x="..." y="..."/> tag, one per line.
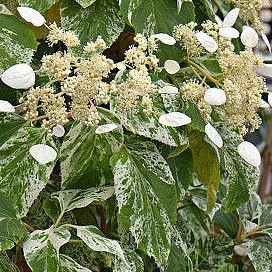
<point x="259" y="252"/>
<point x="17" y="42"/>
<point x="21" y="177"/>
<point x="179" y="3"/>
<point x="96" y="241"/>
<point x="101" y="18"/>
<point x="4" y="10"/>
<point x="127" y="8"/>
<point x="149" y="126"/>
<point x="69" y="265"/>
<point x="74" y="199"/>
<point x="12" y="230"/>
<point x="84" y="150"/>
<point x="146" y="194"/>
<point x="41" y="249"/>
<point x="39" y="5"/>
<point x="85" y="3"/>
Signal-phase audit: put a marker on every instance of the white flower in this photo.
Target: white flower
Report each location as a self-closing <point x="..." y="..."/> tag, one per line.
<point x="215" y="96"/>
<point x="58" y="131"/>
<point x="174" y="119"/>
<point x="249" y="37"/>
<point x="269" y="99"/>
<point x="207" y="41"/>
<point x="265" y="70"/>
<point x="43" y="153"/>
<point x="249" y="153"/>
<point x="225" y="28"/>
<point x="19" y="76"/>
<point x="165" y="38"/>
<point x="105" y="128"/>
<point x="32" y="16"/>
<point x="171" y="66"/>
<point x="5" y="106"/>
<point x="121" y="66"/>
<point x="213" y="135"/>
<point x="168" y="89"/>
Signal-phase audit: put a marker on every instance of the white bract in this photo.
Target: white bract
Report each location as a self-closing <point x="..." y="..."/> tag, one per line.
<point x="171" y="66"/>
<point x="249" y="153"/>
<point x="174" y="119"/>
<point x="165" y="38"/>
<point x="105" y="128"/>
<point x="213" y="135"/>
<point x="265" y="70"/>
<point x="58" y="131"/>
<point x="121" y="66"/>
<point x="5" y="106"/>
<point x="169" y="89"/>
<point x="19" y="76"/>
<point x="225" y="28"/>
<point x="269" y="99"/>
<point x="264" y="104"/>
<point x="207" y="41"/>
<point x="249" y="37"/>
<point x="31" y="15"/>
<point x="266" y="41"/>
<point x="43" y="153"/>
<point x="215" y="96"/>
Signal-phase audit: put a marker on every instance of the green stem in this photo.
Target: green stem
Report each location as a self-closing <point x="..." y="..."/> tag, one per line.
<point x="59" y="219"/>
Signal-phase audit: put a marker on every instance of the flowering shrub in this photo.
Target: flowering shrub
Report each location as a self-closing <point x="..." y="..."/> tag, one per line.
<point x="122" y="136"/>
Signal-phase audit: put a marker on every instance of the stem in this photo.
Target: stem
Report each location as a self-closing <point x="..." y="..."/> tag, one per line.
<point x="29" y="227"/>
<point x="75" y="241"/>
<point x="207" y="75"/>
<point x="59" y="219"/>
<point x="39" y="118"/>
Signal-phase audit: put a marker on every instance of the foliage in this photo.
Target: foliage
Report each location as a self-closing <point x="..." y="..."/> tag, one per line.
<point x="133" y="180"/>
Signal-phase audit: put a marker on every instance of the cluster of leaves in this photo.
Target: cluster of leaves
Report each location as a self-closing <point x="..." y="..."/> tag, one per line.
<point x="137" y="198"/>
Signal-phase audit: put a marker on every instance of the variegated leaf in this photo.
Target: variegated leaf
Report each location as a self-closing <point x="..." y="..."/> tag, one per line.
<point x="69" y="265"/>
<point x="145" y="190"/>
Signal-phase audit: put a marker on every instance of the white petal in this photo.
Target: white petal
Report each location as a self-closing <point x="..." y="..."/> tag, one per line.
<point x="213" y="135"/>
<point x="231" y="17"/>
<point x="5" y="106"/>
<point x="218" y="21"/>
<point x="19" y="76"/>
<point x="174" y="119"/>
<point x="229" y="32"/>
<point x="169" y="89"/>
<point x="165" y="38"/>
<point x="31" y="15"/>
<point x="43" y="153"/>
<point x="269" y="99"/>
<point x="105" y="128"/>
<point x="264" y="104"/>
<point x="249" y="37"/>
<point x="207" y="41"/>
<point x="215" y="96"/>
<point x="171" y="66"/>
<point x="121" y="66"/>
<point x="58" y="131"/>
<point x="266" y="41"/>
<point x="249" y="153"/>
<point x="265" y="70"/>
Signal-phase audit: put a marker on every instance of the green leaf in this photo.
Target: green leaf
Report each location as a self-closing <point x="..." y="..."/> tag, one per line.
<point x="69" y="265"/>
<point x="74" y="199"/>
<point x="11" y="229"/>
<point x="259" y="252"/>
<point x="266" y="215"/>
<point x="4" y="10"/>
<point x="17" y="42"/>
<point x="252" y="209"/>
<point x="5" y="263"/>
<point x="103" y="18"/>
<point x="39" y="5"/>
<point x="204" y="11"/>
<point x="41" y="249"/>
<point x="21" y="177"/>
<point x="85" y="3"/>
<point x="242" y="177"/>
<point x="85" y="155"/>
<point x="149" y="126"/>
<point x="143" y="179"/>
<point x="96" y="241"/>
<point x="206" y="164"/>
<point x="127" y="8"/>
<point x="179" y="3"/>
<point x="197" y="120"/>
